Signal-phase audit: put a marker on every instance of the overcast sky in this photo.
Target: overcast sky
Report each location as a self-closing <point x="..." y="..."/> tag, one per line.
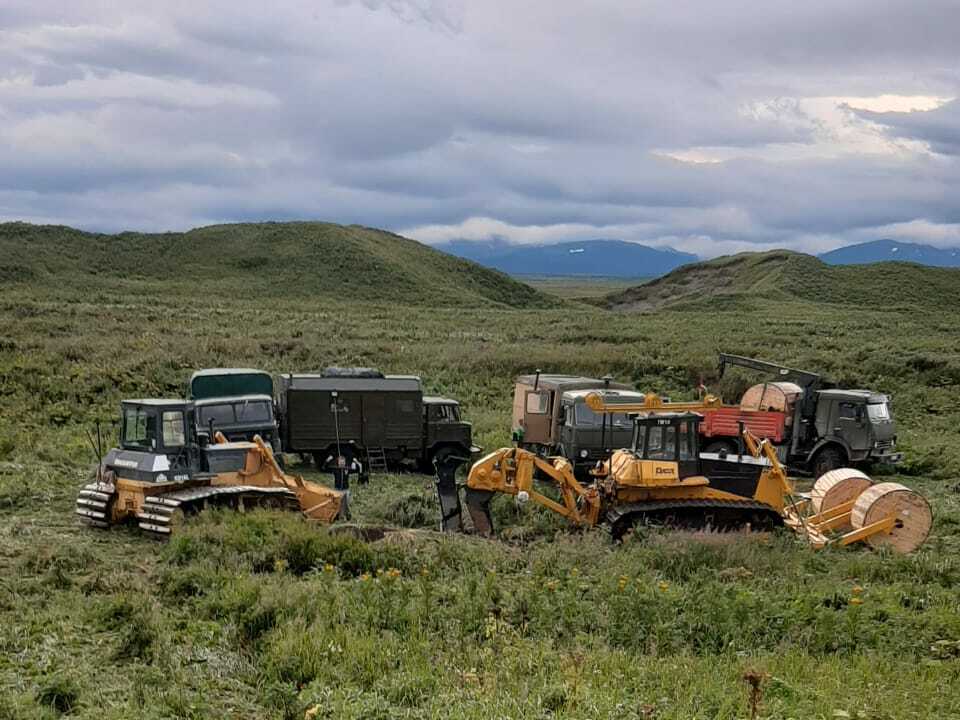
<point x="702" y="125"/>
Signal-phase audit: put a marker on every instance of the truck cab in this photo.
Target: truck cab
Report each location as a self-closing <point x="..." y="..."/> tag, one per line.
<point x="538" y="405"/>
<point x="238" y="418"/>
<point x="235" y="401"/>
<point x="856" y="423"/>
<point x="584" y="435"/>
<point x="444" y="432"/>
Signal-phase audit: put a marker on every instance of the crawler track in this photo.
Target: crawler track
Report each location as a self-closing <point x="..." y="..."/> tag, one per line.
<point x="161" y="513"/>
<point x="720" y="515"/>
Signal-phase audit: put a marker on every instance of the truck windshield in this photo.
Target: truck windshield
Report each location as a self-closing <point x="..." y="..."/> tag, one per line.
<point x="588" y="418"/>
<point x="139" y="428"/>
<point x="253" y="411"/>
<point x="878" y="412"/>
<point x="243" y="411"/>
<point x="218" y="414"/>
<point x="446" y="413"/>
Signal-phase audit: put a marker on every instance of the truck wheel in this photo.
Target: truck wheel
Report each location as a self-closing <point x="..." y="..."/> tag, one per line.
<point x="830" y="458"/>
<point x="721" y="446"/>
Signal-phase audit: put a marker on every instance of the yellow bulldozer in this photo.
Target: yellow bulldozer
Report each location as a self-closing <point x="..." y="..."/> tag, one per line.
<point x="663" y="478"/>
<point x="164" y="470"/>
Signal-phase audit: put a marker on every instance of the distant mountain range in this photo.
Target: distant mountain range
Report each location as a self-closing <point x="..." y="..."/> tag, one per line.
<point x="886" y="250"/>
<point x="599" y="258"/>
<point x="617" y="258"/>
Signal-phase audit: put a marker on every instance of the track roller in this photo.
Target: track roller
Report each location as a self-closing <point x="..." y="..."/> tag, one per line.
<point x="93" y="504"/>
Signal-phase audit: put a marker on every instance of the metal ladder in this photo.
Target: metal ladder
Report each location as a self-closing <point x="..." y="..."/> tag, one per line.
<point x="376" y="460"/>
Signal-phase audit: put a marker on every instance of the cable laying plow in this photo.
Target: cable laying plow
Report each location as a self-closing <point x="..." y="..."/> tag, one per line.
<point x="664" y="479"/>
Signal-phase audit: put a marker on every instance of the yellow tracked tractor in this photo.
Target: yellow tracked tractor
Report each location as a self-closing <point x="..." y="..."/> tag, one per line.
<point x="663" y="478"/>
<point x="163" y="471"/>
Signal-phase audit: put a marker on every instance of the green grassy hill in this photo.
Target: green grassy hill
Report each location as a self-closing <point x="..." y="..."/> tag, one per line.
<point x="784" y="275"/>
<point x="301" y="259"/>
<point x="266" y="615"/>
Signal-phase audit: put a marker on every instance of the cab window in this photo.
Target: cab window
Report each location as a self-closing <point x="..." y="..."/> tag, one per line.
<point x="139" y="428"/>
<point x="173" y="433"/>
<point x="661" y="442"/>
<point x="588" y="418"/>
<point x="538" y="403"/>
<point x="848" y="410"/>
<point x="687" y="442"/>
<point x="446" y="413"/>
<point x="878" y="412"/>
<point x="218" y="414"/>
<point x="256" y="411"/>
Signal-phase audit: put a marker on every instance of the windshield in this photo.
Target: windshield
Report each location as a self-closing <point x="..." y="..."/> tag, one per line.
<point x="218" y="414"/>
<point x="139" y="428"/>
<point x="878" y="412"/>
<point x="253" y="411"/>
<point x="661" y="443"/>
<point x="446" y="413"/>
<point x="587" y="417"/>
<point x="245" y="412"/>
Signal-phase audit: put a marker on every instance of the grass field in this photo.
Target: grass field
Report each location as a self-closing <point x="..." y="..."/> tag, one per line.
<point x="267" y="616"/>
<point x="580" y="287"/>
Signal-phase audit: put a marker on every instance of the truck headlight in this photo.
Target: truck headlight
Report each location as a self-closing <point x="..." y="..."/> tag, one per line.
<point x="584" y="453"/>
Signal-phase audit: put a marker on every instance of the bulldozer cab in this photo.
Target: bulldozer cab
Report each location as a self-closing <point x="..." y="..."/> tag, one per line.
<point x="159" y="428"/>
<point x="669" y="437"/>
<point x="154" y="426"/>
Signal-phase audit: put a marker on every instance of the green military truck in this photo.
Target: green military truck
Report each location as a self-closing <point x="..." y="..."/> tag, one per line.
<point x="381" y="420"/>
<point x="237" y="402"/>
<point x="551" y="417"/>
<point x="825" y="427"/>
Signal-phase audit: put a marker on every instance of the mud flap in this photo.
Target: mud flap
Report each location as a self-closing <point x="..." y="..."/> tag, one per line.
<point x="448" y="494"/>
<point x="478" y="504"/>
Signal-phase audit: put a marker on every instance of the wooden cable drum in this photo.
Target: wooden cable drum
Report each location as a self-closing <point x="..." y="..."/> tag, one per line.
<point x="913" y="515"/>
<point x="837" y="487"/>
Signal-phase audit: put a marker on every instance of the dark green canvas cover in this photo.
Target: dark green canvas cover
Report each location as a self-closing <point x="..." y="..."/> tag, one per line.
<point x="230" y="382"/>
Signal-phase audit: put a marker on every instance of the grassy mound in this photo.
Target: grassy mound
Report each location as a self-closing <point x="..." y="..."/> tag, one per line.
<point x="784" y="275"/>
<point x="295" y="259"/>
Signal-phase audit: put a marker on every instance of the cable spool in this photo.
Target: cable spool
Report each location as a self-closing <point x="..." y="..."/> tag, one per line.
<point x="837" y="487"/>
<point x="913" y="515"/>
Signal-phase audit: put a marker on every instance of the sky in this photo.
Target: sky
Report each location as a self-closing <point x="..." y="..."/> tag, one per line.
<point x="710" y="127"/>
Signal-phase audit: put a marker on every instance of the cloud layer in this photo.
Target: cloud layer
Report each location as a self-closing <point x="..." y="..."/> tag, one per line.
<point x="711" y="127"/>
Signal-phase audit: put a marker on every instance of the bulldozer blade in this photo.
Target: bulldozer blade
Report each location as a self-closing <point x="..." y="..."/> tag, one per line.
<point x="319" y="502"/>
<point x="478" y="505"/>
<point x="451" y="519"/>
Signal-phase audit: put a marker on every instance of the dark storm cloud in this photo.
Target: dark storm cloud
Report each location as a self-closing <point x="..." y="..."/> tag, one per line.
<point x="704" y="125"/>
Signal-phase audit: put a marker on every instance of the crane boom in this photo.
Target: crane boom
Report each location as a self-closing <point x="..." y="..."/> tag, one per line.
<point x="651" y="403"/>
<point x="808" y="380"/>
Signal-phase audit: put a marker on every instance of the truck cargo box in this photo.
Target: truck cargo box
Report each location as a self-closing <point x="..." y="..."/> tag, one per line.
<point x="370" y="412"/>
<point x="724" y="423"/>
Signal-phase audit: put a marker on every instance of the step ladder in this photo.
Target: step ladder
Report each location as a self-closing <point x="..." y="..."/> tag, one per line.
<point x="376" y="460"/>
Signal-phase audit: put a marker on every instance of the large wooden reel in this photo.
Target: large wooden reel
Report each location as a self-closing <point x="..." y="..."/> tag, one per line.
<point x="913" y="517"/>
<point x="837" y="487"/>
